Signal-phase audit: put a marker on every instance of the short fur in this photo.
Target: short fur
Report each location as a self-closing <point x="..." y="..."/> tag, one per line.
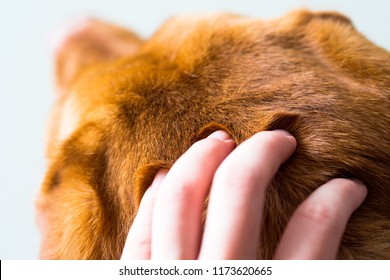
<point x="128" y="107"/>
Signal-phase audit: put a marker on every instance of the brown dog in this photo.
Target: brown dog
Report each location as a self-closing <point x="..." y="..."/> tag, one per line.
<point x="127" y="108"/>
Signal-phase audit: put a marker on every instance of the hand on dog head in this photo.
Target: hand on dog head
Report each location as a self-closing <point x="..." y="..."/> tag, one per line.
<point x="128" y="107"/>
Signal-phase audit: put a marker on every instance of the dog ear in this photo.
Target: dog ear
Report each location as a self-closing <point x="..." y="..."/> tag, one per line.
<point x="88" y="41"/>
<point x="343" y="47"/>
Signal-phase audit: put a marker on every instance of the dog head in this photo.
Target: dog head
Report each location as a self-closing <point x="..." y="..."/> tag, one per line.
<point x="128" y="107"/>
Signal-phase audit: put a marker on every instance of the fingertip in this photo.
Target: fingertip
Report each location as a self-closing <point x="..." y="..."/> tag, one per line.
<point x="360" y="186"/>
<point x="159" y="178"/>
<point x="287" y="135"/>
<point x="356" y="189"/>
<point x="282" y="131"/>
<point x="348" y="194"/>
<point x="280" y="142"/>
<point x="219" y="140"/>
<point x="278" y="135"/>
<point x="149" y="196"/>
<point x="222" y="136"/>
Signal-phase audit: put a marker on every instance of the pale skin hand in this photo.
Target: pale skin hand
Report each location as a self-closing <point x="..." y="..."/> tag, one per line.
<point x="169" y="221"/>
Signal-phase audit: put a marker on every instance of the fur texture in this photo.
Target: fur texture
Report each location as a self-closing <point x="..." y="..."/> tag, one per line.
<point x="127" y="107"/>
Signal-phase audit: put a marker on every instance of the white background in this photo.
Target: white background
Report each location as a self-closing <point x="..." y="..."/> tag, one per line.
<point x="26" y="82"/>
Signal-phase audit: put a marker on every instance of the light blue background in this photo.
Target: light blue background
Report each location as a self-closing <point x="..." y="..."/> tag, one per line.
<point x="26" y="82"/>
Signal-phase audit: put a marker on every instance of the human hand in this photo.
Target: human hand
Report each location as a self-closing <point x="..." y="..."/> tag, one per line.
<point x="168" y="224"/>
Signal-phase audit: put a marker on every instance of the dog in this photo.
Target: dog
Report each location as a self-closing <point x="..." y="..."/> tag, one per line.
<point x="127" y="107"/>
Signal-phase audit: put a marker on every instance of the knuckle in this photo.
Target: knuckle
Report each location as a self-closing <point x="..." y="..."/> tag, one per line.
<point x="270" y="139"/>
<point x="182" y="190"/>
<point x="317" y="213"/>
<point x="345" y="186"/>
<point x="242" y="175"/>
<point x="207" y="145"/>
<point x="232" y="168"/>
<point x="205" y="152"/>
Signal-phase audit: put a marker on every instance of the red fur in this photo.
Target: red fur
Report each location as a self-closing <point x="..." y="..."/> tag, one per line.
<point x="127" y="108"/>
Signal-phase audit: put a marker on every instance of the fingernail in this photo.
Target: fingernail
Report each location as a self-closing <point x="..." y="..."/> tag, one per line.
<point x="285" y="132"/>
<point x="220" y="135"/>
<point x="361" y="191"/>
<point x="358" y="182"/>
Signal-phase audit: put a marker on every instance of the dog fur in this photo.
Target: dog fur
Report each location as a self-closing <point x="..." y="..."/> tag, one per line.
<point x="127" y="107"/>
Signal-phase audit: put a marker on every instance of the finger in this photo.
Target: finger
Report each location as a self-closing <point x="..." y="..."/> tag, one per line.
<point x="317" y="226"/>
<point x="177" y="218"/>
<point x="138" y="243"/>
<point x="237" y="196"/>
